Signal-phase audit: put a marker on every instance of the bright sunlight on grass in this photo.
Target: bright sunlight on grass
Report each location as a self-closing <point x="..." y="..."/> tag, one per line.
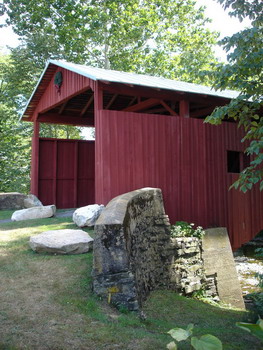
<point x="47" y="303"/>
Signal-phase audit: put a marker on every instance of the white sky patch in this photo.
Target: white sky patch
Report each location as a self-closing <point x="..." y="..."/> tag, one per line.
<point x="88" y="133"/>
<point x="221" y="22"/>
<point x="7" y="37"/>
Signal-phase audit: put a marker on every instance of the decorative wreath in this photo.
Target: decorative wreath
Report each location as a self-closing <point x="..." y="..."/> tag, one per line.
<point x="58" y="80"/>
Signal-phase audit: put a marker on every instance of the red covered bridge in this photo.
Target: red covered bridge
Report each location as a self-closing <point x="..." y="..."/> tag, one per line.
<point x="149" y="133"/>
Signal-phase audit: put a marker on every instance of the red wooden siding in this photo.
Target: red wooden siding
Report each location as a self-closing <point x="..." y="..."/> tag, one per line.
<point x="184" y="157"/>
<point x="72" y="84"/>
<point x="66" y="172"/>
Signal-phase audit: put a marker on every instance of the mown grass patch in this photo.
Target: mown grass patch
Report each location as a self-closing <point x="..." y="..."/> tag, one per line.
<point x="47" y="303"/>
<point x="6" y="214"/>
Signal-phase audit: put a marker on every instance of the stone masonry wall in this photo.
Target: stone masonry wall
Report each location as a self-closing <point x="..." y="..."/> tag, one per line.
<point x="130" y="248"/>
<point x="134" y="254"/>
<point x="187" y="268"/>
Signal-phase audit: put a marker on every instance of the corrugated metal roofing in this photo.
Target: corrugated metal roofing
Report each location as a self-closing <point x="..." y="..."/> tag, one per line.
<point x="142" y="80"/>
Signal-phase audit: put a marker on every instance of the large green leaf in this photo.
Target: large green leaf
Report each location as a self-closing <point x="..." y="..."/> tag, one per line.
<point x="255" y="329"/>
<point x="171" y="346"/>
<point x="180" y="334"/>
<point x="206" y="342"/>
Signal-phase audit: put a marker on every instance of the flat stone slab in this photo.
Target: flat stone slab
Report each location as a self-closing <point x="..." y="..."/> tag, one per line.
<point x="62" y="242"/>
<point x="34" y="213"/>
<point x="218" y="260"/>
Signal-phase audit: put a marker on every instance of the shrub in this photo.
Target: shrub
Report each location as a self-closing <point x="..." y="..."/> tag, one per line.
<point x="184" y="229"/>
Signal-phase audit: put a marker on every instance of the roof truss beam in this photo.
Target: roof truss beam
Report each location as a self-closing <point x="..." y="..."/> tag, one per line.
<point x="151" y="102"/>
<point x="169" y="109"/>
<point x="142" y="105"/>
<point x="63" y="107"/>
<point x="111" y="101"/>
<point x="84" y="110"/>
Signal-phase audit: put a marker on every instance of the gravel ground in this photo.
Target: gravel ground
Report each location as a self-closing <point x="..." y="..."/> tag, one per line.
<point x="247" y="268"/>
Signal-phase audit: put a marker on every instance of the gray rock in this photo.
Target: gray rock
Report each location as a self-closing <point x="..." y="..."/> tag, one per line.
<point x="87" y="216"/>
<point x="219" y="260"/>
<point x="62" y="242"/>
<point x="32" y="201"/>
<point x="15" y="200"/>
<point x="34" y="213"/>
<point x="130" y="248"/>
<point x="12" y="200"/>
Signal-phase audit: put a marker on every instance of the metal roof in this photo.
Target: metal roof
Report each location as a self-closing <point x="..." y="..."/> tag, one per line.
<point x="118" y="77"/>
<point x="142" y="80"/>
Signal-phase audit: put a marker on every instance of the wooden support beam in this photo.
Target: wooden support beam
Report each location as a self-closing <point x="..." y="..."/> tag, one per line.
<point x="53" y="118"/>
<point x="91" y="99"/>
<point x="61" y="109"/>
<point x="142" y="105"/>
<point x="35" y="160"/>
<point x="132" y="101"/>
<point x="111" y="101"/>
<point x="46" y="109"/>
<point x="98" y="97"/>
<point x="98" y="106"/>
<point x="167" y="95"/>
<point x="184" y="109"/>
<point x="169" y="109"/>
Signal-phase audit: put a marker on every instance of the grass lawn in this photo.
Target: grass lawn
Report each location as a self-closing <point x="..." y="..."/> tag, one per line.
<point x="46" y="302"/>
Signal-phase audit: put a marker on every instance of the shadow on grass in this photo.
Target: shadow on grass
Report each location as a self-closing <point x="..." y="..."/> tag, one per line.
<point x="72" y="288"/>
<point x="56" y="221"/>
<point x="53" y="223"/>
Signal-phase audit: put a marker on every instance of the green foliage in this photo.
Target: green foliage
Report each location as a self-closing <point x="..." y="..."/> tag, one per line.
<point x="180" y="334"/>
<point x="158" y="38"/>
<point x="255" y="329"/>
<point x="244" y="73"/>
<point x="205" y="342"/>
<point x="257" y="296"/>
<point x="17" y="78"/>
<point x="259" y="253"/>
<point x="14" y="137"/>
<point x="184" y="229"/>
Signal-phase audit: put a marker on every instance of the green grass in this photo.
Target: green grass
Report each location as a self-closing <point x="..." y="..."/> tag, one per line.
<point x="47" y="303"/>
<point x="6" y="214"/>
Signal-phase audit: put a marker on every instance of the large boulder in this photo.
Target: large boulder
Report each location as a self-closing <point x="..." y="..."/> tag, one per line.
<point x="87" y="216"/>
<point x="32" y="201"/>
<point x="12" y="200"/>
<point x="16" y="200"/>
<point x="62" y="242"/>
<point x="34" y="213"/>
